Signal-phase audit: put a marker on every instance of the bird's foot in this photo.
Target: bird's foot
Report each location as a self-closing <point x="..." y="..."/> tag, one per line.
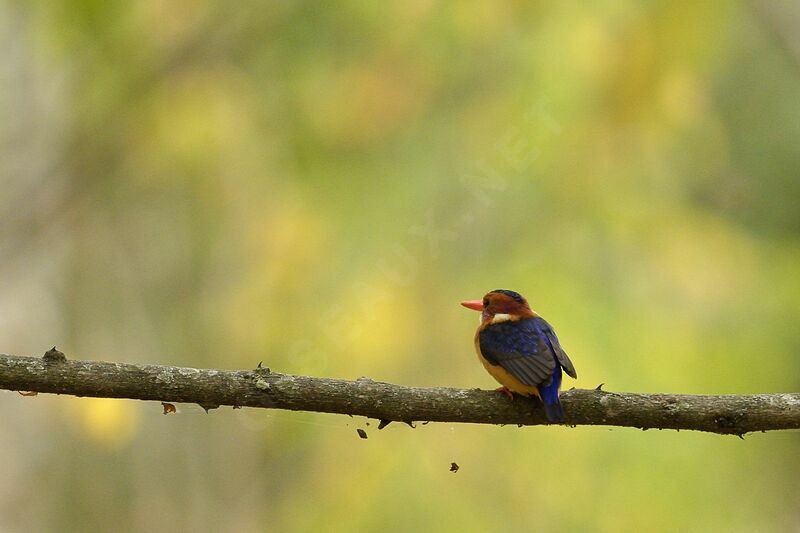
<point x="506" y="391"/>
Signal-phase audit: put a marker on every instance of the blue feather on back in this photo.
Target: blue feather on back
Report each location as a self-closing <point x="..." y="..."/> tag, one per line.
<point x="549" y="393"/>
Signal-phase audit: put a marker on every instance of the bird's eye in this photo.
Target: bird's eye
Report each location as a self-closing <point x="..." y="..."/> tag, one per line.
<point x="485" y="303"/>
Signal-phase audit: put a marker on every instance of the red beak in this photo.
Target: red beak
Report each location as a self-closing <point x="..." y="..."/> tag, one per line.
<point x="476" y="305"/>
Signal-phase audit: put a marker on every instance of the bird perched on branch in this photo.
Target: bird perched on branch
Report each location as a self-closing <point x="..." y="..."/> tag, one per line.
<point x="520" y="349"/>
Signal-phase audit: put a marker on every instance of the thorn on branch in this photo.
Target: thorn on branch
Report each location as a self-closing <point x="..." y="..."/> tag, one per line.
<point x="599" y="387"/>
<point x="27" y="393"/>
<point x="54" y="356"/>
<point x="208" y="406"/>
<point x="383" y="423"/>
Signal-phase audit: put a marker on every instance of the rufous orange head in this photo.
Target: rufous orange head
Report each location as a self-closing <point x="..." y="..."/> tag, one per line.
<point x="501" y="302"/>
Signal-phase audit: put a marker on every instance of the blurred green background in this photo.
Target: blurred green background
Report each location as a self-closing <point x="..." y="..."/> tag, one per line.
<point x="317" y="185"/>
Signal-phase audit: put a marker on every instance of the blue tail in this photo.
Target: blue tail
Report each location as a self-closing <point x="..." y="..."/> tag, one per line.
<point x="549" y="394"/>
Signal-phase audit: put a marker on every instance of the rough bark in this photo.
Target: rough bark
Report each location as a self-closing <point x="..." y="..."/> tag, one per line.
<point x="260" y="387"/>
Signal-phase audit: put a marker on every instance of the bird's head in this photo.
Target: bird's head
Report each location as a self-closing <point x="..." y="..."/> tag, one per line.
<point x="500" y="305"/>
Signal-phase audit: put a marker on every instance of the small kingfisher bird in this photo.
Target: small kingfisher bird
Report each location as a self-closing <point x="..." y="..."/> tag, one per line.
<point x="520" y="349"/>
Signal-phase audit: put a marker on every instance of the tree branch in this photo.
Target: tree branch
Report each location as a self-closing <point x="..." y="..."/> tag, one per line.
<point x="260" y="387"/>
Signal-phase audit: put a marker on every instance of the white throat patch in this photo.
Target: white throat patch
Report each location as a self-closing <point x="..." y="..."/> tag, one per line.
<point x="501" y="317"/>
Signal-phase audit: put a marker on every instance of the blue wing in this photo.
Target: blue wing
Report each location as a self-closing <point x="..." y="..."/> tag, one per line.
<point x="555" y="347"/>
<point x="521" y="349"/>
<point x="527" y="348"/>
